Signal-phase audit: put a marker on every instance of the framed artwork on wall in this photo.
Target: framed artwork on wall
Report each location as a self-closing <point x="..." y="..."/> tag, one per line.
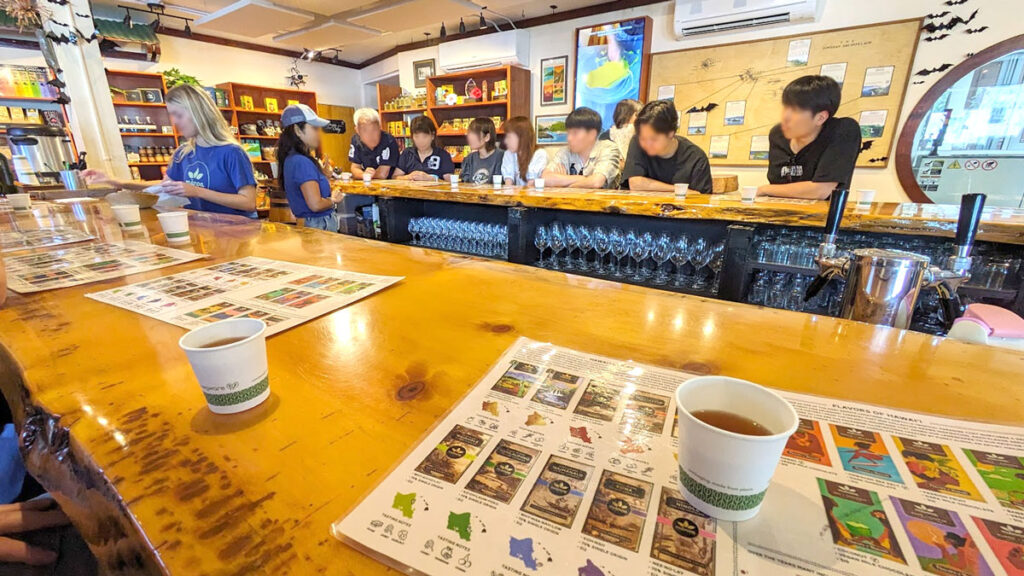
<point x="550" y="130"/>
<point x="552" y="80"/>
<point x="612" y="62"/>
<point x="421" y="70"/>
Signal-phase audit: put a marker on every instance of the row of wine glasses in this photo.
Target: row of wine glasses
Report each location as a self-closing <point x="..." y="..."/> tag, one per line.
<point x="650" y="258"/>
<point x="467" y="236"/>
<point x="786" y="290"/>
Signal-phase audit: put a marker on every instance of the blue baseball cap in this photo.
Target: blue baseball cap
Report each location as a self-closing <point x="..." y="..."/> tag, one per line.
<point x="301" y="113"/>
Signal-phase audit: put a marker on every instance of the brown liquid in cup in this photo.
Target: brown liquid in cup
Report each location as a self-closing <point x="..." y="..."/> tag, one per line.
<point x="731" y="422"/>
<point x="223" y="342"/>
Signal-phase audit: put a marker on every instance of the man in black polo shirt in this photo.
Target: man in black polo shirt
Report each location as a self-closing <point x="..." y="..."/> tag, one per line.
<point x="373" y="151"/>
<point x="811" y="151"/>
<point x="658" y="158"/>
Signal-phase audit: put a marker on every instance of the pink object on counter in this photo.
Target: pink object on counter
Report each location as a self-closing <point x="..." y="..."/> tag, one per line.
<point x="1000" y="322"/>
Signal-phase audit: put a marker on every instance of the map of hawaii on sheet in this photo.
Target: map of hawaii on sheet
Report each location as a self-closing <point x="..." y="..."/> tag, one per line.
<point x="282" y="294"/>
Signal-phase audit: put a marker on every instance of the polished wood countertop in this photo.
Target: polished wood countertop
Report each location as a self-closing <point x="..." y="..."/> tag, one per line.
<point x="1004" y="225"/>
<point x="115" y="425"/>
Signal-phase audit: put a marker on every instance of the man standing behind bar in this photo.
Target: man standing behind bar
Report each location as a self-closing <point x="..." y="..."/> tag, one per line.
<point x="811" y="152"/>
<point x="373" y="151"/>
<point x="658" y="159"/>
<point x="586" y="162"/>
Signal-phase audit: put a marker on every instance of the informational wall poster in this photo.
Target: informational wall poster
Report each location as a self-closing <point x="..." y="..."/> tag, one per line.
<point x="83" y="264"/>
<point x="563" y="463"/>
<point x="282" y="294"/>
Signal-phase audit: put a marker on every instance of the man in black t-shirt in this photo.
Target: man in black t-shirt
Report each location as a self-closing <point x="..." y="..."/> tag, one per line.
<point x="373" y="150"/>
<point x="811" y="152"/>
<point x="658" y="158"/>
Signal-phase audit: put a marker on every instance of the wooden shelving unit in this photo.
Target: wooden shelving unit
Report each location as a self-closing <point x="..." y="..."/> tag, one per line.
<point x="515" y="103"/>
<point x="155" y="111"/>
<point x="41" y="103"/>
<point x="237" y="115"/>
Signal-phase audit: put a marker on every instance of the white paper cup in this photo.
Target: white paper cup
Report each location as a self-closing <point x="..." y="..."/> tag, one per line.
<point x="454" y="181"/>
<point x="723" y="474"/>
<point x="367" y="178"/>
<point x="127" y="215"/>
<point x="20" y="202"/>
<point x="865" y="197"/>
<point x="681" y="190"/>
<point x="175" y="225"/>
<point x="346" y="176"/>
<point x="748" y="193"/>
<point x="538" y="183"/>
<point x="496" y="180"/>
<point x="234" y="377"/>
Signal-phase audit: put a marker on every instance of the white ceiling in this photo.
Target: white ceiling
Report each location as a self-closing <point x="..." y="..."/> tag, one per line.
<point x="367" y="27"/>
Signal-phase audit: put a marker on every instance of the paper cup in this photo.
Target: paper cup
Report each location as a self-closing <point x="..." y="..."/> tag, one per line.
<point x="367" y="178"/>
<point x="175" y="225"/>
<point x="127" y="215"/>
<point x="865" y="197"/>
<point x="681" y="191"/>
<point x="496" y="180"/>
<point x="748" y="193"/>
<point x="538" y="183"/>
<point x="454" y="181"/>
<point x="20" y="202"/>
<point x="723" y="474"/>
<point x="346" y="176"/>
<point x="234" y="377"/>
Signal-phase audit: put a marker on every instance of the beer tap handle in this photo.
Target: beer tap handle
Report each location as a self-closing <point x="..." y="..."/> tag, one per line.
<point x="836" y="206"/>
<point x="971" y="206"/>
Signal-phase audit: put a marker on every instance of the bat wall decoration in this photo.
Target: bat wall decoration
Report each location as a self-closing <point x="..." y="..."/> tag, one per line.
<point x="938" y="15"/>
<point x="953" y="22"/>
<point x="866" y="145"/>
<point x="936" y="38"/>
<point x="711" y="106"/>
<point x="936" y="70"/>
<point x="879" y="159"/>
<point x="918" y="82"/>
<point x="976" y="30"/>
<point x="955" y="2"/>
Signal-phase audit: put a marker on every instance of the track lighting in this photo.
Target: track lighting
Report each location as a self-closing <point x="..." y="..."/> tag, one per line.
<point x="462" y="26"/>
<point x="444" y="33"/>
<point x="188" y="30"/>
<point x="127" y="21"/>
<point x="483" y="21"/>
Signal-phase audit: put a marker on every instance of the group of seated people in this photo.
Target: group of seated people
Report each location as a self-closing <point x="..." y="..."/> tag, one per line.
<point x="811" y="150"/>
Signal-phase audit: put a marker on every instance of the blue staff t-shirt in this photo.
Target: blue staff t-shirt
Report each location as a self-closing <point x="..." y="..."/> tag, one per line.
<point x="384" y="154"/>
<point x="299" y="169"/>
<point x="438" y="163"/>
<point x="225" y="168"/>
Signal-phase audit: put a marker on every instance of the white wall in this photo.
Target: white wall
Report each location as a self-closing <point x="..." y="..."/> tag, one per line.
<point x="1001" y="16"/>
<point x="213" y="64"/>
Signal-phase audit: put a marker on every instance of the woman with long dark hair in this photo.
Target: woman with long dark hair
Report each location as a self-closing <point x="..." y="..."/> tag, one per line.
<point x="300" y="174"/>
<point x="523" y="161"/>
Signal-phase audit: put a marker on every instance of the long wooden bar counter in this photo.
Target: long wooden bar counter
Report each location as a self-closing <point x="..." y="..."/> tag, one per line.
<point x="114" y="424"/>
<point x="1003" y="225"/>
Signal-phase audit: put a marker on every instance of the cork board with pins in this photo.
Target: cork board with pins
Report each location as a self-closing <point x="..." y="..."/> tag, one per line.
<point x="729" y="96"/>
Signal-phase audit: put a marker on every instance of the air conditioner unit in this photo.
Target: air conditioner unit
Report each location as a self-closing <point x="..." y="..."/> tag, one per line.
<point x="499" y="49"/>
<point x="696" y="17"/>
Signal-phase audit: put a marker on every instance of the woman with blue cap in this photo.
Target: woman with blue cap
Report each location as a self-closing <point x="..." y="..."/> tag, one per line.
<point x="300" y="173"/>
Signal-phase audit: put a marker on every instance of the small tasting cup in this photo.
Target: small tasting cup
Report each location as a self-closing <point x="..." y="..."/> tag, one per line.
<point x="681" y="190"/>
<point x="748" y="193"/>
<point x="367" y="178"/>
<point x="233" y="377"/>
<point x="127" y="215"/>
<point x="20" y="202"/>
<point x="346" y="176"/>
<point x="538" y="183"/>
<point x="175" y="225"/>
<point x="865" y="197"/>
<point x="724" y="474"/>
<point x="497" y="180"/>
<point x="454" y="181"/>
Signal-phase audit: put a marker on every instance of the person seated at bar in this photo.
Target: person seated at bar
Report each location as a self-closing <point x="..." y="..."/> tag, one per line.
<point x="425" y="160"/>
<point x="485" y="160"/>
<point x="586" y="162"/>
<point x="523" y="161"/>
<point x="622" y="129"/>
<point x="301" y="175"/>
<point x="811" y="152"/>
<point x="659" y="158"/>
<point x="372" y="151"/>
<point x="210" y="168"/>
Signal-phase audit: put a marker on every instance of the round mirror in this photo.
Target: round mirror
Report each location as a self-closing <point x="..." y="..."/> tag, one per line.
<point x="967" y="132"/>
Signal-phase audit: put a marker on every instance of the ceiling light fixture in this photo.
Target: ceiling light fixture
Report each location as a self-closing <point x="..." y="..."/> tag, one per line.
<point x="462" y="26"/>
<point x="483" y="21"/>
<point x="444" y="33"/>
<point x="127" y="18"/>
<point x="156" y="24"/>
<point x="188" y="30"/>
